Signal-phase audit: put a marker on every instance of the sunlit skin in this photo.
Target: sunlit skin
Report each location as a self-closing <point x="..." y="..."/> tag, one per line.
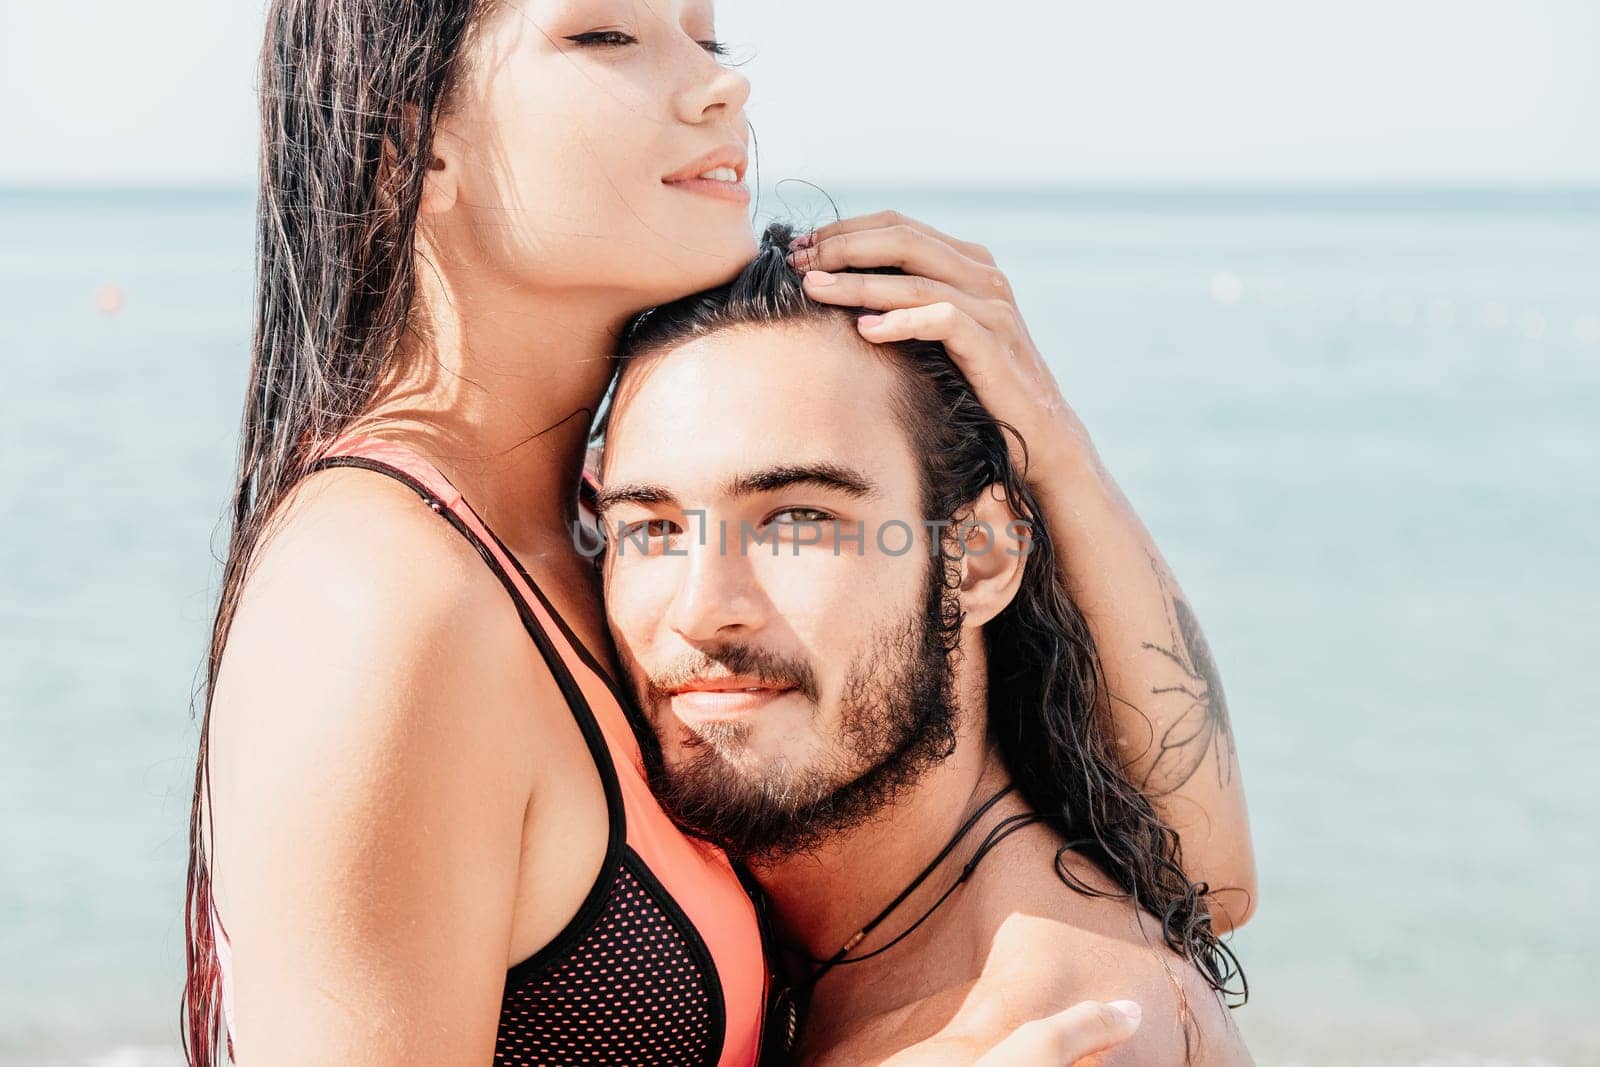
<point x="1016" y="941"/>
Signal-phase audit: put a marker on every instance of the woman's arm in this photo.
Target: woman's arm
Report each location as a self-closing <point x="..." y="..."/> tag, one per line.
<point x="1165" y="695"/>
<point x="366" y="799"/>
<point x="1165" y="701"/>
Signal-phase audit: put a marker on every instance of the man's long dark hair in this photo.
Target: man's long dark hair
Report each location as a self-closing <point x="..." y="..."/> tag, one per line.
<point x="1047" y="693"/>
<point x="351" y="91"/>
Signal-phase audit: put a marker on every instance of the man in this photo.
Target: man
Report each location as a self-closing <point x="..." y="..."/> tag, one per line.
<point x="826" y="585"/>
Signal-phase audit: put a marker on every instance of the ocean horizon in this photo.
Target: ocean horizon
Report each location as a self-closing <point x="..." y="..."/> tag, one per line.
<point x="1360" y="423"/>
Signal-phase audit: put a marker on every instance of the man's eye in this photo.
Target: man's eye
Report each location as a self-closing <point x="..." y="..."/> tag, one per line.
<point x="795" y="516"/>
<point x="646" y="529"/>
<point x="604" y="37"/>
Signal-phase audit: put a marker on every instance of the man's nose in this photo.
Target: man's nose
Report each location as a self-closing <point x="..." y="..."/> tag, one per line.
<point x="717" y="596"/>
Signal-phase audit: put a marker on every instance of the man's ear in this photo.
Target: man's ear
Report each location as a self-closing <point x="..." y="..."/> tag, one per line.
<point x="993" y="544"/>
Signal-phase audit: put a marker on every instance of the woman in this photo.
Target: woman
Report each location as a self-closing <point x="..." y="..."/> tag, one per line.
<point x="418" y="835"/>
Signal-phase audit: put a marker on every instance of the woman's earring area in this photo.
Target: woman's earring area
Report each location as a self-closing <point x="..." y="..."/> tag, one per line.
<point x="439" y="193"/>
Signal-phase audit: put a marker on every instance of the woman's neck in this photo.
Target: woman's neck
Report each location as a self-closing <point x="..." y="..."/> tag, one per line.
<point x="497" y="386"/>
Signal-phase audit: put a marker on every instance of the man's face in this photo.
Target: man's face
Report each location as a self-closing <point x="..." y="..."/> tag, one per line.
<point x="792" y="669"/>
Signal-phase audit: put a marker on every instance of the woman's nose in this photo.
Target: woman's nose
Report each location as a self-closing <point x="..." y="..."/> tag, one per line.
<point x="717" y="94"/>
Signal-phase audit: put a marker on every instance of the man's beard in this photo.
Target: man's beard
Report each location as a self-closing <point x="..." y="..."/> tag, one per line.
<point x="897" y="719"/>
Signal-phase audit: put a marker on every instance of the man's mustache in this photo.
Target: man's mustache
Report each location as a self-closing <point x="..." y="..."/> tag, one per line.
<point x="731" y="660"/>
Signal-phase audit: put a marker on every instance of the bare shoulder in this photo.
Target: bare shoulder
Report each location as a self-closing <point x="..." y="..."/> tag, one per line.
<point x="355" y="572"/>
<point x="368" y="632"/>
<point x="1044" y="946"/>
<point x="359" y="540"/>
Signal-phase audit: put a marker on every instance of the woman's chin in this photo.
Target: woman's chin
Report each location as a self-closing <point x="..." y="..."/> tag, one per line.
<point x="704" y="265"/>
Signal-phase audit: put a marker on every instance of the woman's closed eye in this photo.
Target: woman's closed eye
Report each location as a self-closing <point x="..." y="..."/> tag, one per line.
<point x="618" y="38"/>
<point x="608" y="38"/>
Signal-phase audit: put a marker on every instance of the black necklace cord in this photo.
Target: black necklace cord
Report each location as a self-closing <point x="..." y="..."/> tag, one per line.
<point x="927" y="872"/>
<point x="789" y="1002"/>
<point x="999" y="832"/>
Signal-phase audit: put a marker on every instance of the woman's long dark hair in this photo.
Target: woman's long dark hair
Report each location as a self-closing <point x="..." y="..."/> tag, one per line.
<point x="1048" y="704"/>
<point x="351" y="91"/>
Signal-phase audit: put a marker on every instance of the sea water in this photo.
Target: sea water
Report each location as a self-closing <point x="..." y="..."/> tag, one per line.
<point x="1362" y="428"/>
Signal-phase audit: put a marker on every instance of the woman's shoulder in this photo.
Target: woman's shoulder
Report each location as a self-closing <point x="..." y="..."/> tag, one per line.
<point x="356" y="522"/>
<point x="364" y="625"/>
<point x="371" y="763"/>
<point x="352" y="563"/>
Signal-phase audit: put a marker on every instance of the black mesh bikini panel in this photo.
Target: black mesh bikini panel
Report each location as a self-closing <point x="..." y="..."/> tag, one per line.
<point x="631" y="991"/>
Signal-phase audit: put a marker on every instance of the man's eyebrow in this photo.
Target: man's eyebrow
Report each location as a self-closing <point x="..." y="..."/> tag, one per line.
<point x="832" y="476"/>
<point x="609" y="496"/>
<point x="822" y="475"/>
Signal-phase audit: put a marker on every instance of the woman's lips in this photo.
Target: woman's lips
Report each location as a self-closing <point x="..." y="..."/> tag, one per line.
<point x="733" y="192"/>
<point x="707" y="705"/>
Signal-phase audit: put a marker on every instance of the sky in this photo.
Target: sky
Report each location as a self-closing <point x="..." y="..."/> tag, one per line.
<point x="1317" y="93"/>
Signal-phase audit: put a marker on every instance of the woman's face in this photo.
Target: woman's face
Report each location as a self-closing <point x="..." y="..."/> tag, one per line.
<point x="570" y="131"/>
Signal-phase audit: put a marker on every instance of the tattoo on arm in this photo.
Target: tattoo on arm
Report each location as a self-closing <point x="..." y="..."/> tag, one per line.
<point x="1203" y="724"/>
